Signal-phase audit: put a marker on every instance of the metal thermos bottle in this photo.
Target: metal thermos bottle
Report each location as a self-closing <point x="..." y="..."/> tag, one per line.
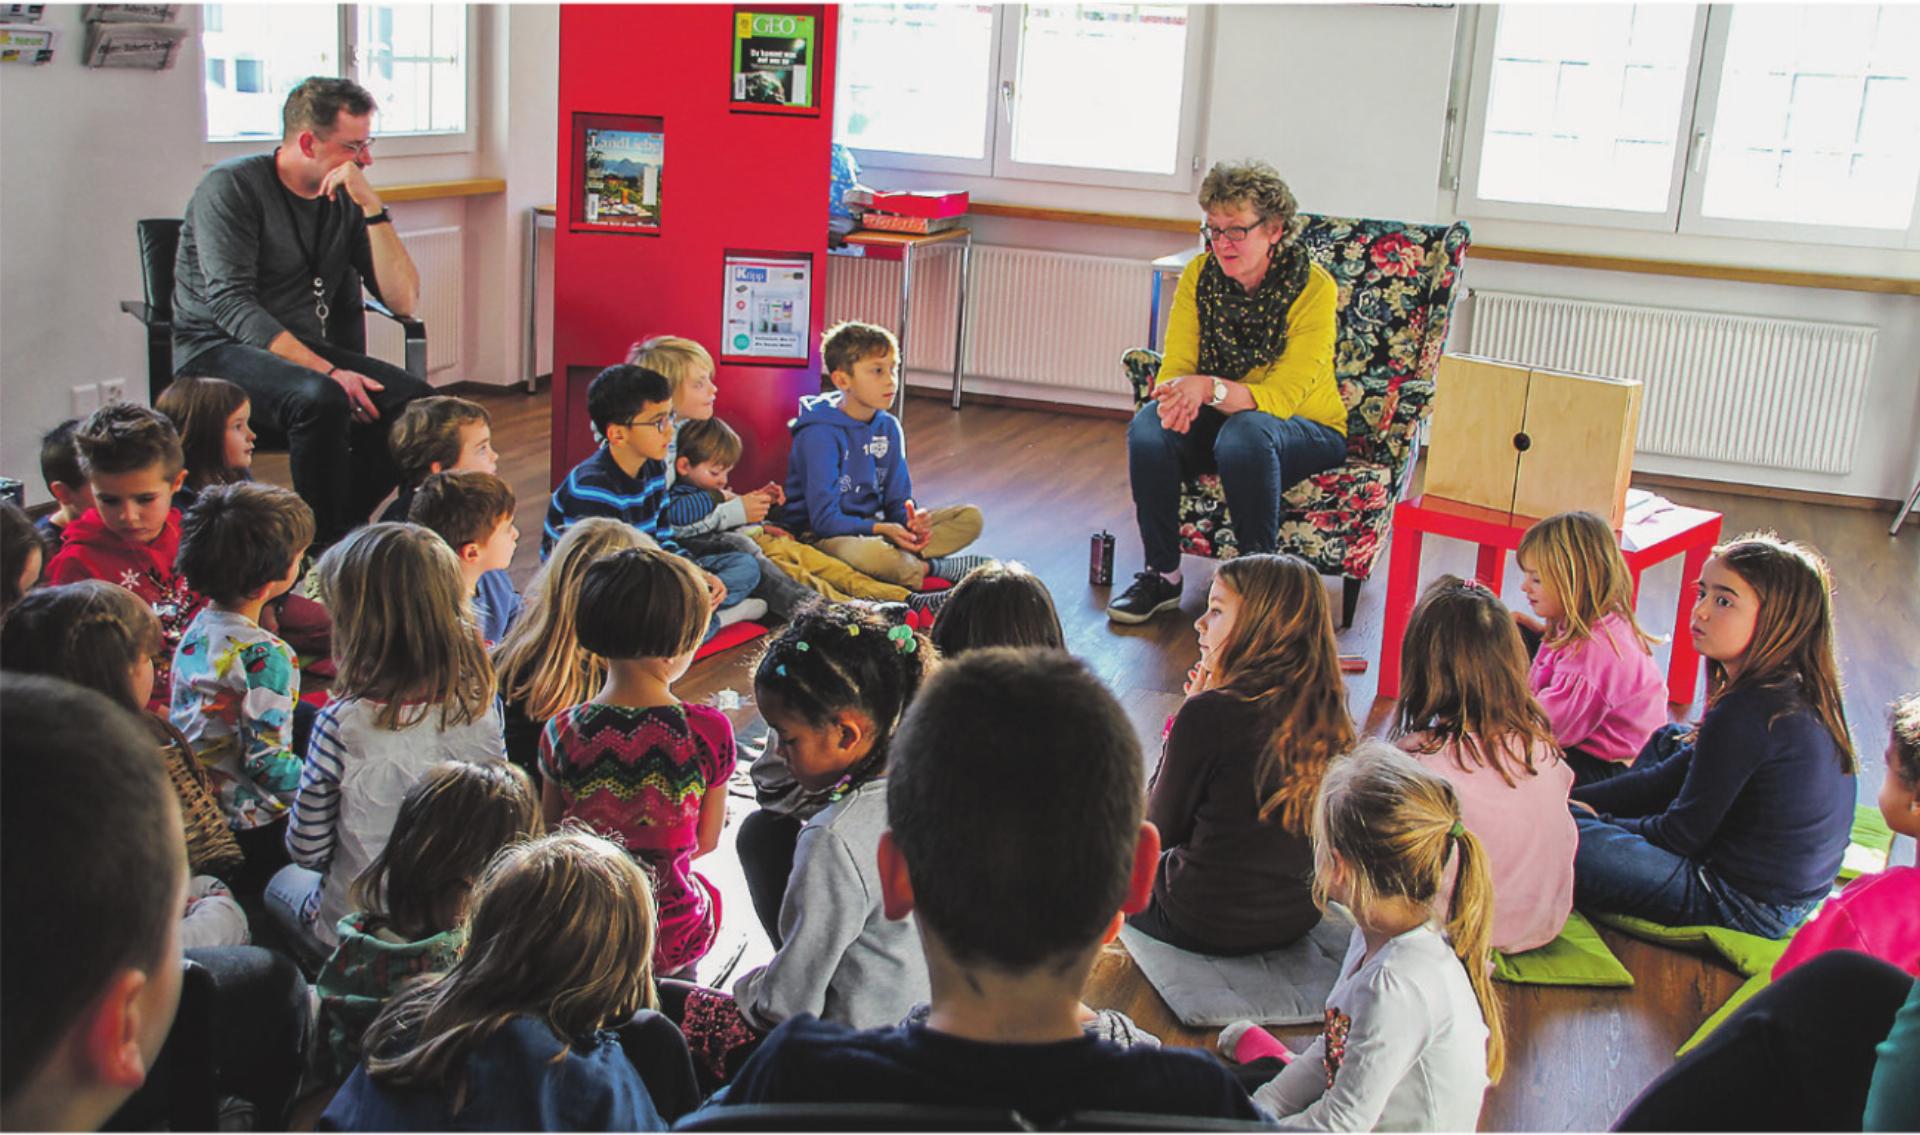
<point x="1100" y="559"/>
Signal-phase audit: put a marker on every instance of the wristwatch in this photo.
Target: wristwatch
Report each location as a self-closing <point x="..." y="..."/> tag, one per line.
<point x="383" y="217"/>
<point x="1219" y="392"/>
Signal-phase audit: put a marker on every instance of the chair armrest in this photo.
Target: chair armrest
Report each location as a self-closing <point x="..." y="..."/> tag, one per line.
<point x="138" y="310"/>
<point x="1414" y="403"/>
<point x="413" y="327"/>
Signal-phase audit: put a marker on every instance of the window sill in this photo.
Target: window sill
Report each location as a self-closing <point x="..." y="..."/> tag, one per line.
<point x="1830" y="281"/>
<point x="434" y="190"/>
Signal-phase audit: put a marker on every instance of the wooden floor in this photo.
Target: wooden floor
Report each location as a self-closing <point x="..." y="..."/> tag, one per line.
<point x="1047" y="481"/>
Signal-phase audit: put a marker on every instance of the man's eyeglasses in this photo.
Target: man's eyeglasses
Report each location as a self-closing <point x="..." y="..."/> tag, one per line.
<point x="1234" y="233"/>
<point x="663" y="423"/>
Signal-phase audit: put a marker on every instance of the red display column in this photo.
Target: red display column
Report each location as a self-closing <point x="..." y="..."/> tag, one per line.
<point x="726" y="180"/>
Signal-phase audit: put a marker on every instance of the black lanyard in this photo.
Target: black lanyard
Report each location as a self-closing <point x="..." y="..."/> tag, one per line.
<point x="311" y="255"/>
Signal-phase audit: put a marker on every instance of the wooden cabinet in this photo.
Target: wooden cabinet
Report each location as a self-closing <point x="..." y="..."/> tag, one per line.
<point x="1529" y="442"/>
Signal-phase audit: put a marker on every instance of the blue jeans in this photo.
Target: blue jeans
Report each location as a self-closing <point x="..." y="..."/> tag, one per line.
<point x="738" y="571"/>
<point x="1256" y="454"/>
<point x="340" y="467"/>
<point x="1622" y="872"/>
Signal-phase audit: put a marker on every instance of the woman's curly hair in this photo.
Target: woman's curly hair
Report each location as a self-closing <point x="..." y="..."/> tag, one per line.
<point x="1257" y="185"/>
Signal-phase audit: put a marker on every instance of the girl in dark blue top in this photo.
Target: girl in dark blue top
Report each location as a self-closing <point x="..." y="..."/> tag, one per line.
<point x="1741" y="822"/>
<point x="518" y="1036"/>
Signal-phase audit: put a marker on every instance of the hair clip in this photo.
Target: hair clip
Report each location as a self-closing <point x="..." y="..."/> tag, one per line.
<point x="780" y="668"/>
<point x="1459" y="829"/>
<point x="853" y="629"/>
<point x="802" y="646"/>
<point x="840" y="787"/>
<point x="904" y="639"/>
<point x="1476" y="586"/>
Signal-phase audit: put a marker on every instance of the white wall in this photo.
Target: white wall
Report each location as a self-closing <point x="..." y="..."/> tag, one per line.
<point x="84" y="154"/>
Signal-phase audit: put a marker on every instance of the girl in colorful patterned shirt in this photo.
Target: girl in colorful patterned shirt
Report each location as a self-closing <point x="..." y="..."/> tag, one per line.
<point x="636" y="763"/>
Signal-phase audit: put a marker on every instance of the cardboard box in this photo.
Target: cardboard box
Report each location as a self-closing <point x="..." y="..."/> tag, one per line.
<point x="1531" y="442"/>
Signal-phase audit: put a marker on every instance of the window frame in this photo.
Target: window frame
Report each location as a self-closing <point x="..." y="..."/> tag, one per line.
<point x="423" y="144"/>
<point x="1687" y="184"/>
<point x="1469" y="203"/>
<point x="999" y="163"/>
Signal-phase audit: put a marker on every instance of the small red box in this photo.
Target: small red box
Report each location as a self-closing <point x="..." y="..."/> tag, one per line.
<point x="921" y="202"/>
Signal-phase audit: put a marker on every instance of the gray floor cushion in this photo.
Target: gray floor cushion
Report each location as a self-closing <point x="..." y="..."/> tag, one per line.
<point x="1281" y="987"/>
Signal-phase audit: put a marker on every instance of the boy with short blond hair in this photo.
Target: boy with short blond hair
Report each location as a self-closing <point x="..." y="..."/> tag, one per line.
<point x="131" y="537"/>
<point x="66" y="483"/>
<point x="440" y="434"/>
<point x="473" y="513"/>
<point x="847" y="482"/>
<point x="235" y="689"/>
<point x="1013" y="897"/>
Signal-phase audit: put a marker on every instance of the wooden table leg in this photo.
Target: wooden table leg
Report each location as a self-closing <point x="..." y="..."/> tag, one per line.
<point x="1683" y="661"/>
<point x="1403" y="580"/>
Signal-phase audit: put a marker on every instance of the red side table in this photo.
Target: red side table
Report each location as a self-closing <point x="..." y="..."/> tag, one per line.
<point x="1652" y="535"/>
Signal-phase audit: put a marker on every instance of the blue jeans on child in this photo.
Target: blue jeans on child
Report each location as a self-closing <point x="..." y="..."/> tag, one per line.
<point x="1623" y="872"/>
<point x="740" y="574"/>
<point x="1256" y="454"/>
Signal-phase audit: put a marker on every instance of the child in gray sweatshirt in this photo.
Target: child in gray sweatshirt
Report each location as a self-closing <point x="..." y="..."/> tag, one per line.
<point x="832" y="687"/>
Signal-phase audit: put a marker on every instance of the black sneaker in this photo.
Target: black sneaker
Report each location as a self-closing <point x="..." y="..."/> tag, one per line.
<point x="1147" y="596"/>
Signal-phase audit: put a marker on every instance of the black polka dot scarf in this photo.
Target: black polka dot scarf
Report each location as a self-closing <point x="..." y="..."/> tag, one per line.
<point x="1240" y="330"/>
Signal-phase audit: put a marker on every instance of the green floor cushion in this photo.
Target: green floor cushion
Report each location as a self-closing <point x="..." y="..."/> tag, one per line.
<point x="1870" y="846"/>
<point x="1579" y="956"/>
<point x="1748" y="953"/>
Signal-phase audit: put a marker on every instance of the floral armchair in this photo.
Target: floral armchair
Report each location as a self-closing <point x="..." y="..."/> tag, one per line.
<point x="1397" y="283"/>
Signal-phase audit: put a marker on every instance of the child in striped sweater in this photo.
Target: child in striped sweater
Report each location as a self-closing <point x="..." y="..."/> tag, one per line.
<point x="415" y="688"/>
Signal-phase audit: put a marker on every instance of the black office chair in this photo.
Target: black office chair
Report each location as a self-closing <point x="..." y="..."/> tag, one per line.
<point x="1143" y="1121"/>
<point x="346" y="326"/>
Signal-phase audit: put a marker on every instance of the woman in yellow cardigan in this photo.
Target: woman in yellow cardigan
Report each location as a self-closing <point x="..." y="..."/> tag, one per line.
<point x="1246" y="387"/>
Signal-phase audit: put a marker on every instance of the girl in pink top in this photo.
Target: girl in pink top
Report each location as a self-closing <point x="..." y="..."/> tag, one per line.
<point x="1594" y="674"/>
<point x="1878" y="914"/>
<point x="1466" y="714"/>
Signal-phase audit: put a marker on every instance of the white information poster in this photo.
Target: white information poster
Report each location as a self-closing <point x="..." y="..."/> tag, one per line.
<point x="769" y="306"/>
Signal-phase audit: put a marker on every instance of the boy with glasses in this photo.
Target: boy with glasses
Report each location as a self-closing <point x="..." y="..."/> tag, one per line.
<point x="626" y="479"/>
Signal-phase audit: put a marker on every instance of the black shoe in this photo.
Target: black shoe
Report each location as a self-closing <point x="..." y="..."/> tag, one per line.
<point x="1147" y="596"/>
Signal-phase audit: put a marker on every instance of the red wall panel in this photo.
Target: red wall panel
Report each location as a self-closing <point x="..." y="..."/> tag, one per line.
<point x="728" y="180"/>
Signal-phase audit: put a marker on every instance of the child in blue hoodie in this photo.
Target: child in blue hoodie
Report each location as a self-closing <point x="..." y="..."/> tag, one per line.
<point x="847" y="482"/>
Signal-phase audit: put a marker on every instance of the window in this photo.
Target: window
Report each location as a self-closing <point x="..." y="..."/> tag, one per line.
<point x="1101" y="94"/>
<point x="412" y="57"/>
<point x="1784" y="121"/>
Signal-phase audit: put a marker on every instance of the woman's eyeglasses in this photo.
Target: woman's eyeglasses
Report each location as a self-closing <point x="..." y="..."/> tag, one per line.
<point x="1234" y="233"/>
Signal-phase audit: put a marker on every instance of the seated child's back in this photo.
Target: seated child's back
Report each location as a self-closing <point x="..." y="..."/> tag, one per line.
<point x="1014" y="893"/>
<point x="1466" y="715"/>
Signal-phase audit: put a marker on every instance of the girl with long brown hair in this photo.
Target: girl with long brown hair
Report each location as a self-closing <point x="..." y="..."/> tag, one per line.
<point x="410" y="904"/>
<point x="1412" y="1032"/>
<point x="1466" y="714"/>
<point x="1743" y="821"/>
<point x="518" y="1036"/>
<point x="1232" y="796"/>
<point x="414" y="688"/>
<point x="216" y="435"/>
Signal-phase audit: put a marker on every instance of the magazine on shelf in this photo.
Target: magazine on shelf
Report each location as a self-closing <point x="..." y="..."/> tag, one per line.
<point x="919" y="226"/>
<point x="773" y="59"/>
<point x="620" y="173"/>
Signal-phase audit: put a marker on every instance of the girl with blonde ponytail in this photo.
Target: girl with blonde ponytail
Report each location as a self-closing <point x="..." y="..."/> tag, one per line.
<point x="1412" y="1032"/>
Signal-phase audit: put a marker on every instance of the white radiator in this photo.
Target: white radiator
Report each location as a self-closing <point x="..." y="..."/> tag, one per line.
<point x="1780" y="393"/>
<point x="1046" y="318"/>
<point x="439" y="255"/>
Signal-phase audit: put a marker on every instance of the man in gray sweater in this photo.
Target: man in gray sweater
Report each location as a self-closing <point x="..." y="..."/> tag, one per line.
<point x="270" y="245"/>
